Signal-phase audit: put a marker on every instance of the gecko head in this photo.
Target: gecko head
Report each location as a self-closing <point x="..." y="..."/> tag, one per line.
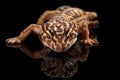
<point x="59" y="35"/>
<point x="62" y="43"/>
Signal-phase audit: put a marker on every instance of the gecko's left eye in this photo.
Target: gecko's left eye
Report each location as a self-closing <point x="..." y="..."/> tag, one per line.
<point x="48" y="36"/>
<point x="52" y="32"/>
<point x="70" y="36"/>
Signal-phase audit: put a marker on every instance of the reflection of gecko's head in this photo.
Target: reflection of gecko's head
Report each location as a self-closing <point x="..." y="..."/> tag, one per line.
<point x="56" y="67"/>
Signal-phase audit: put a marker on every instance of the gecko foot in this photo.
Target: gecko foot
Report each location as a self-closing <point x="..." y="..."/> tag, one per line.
<point x="90" y="42"/>
<point x="13" y="40"/>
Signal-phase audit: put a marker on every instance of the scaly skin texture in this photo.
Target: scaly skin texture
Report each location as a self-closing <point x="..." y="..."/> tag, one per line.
<point x="58" y="29"/>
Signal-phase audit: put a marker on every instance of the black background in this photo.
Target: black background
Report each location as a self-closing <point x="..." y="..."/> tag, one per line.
<point x="17" y="16"/>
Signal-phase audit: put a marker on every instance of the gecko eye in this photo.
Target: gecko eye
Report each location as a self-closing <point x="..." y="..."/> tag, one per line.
<point x="52" y="32"/>
<point x="48" y="36"/>
<point x="70" y="36"/>
<point x="66" y="31"/>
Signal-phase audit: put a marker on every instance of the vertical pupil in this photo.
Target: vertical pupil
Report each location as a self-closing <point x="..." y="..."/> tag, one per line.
<point x="52" y="32"/>
<point x="66" y="31"/>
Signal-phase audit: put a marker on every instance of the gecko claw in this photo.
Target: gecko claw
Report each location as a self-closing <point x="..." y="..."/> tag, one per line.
<point x="13" y="40"/>
<point x="90" y="42"/>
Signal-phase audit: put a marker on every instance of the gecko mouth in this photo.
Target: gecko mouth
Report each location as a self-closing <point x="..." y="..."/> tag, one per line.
<point x="62" y="47"/>
<point x="59" y="47"/>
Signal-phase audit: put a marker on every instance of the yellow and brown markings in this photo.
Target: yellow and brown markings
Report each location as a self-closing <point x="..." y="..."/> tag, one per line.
<point x="58" y="29"/>
<point x="59" y="33"/>
<point x="73" y="12"/>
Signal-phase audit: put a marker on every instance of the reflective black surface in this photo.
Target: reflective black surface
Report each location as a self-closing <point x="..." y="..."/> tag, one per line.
<point x="92" y="63"/>
<point x="57" y="65"/>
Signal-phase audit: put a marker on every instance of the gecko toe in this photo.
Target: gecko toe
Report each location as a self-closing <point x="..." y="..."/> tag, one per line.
<point x="13" y="40"/>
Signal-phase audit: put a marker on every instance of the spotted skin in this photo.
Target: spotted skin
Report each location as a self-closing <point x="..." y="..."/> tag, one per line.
<point x="58" y="29"/>
<point x="57" y="35"/>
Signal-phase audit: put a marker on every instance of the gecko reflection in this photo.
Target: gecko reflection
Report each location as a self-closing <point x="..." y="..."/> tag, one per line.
<point x="62" y="65"/>
<point x="65" y="65"/>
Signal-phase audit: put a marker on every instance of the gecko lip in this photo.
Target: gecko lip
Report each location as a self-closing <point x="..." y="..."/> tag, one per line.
<point x="60" y="48"/>
<point x="63" y="46"/>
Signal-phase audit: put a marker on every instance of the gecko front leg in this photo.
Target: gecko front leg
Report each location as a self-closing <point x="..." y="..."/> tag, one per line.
<point x="25" y="33"/>
<point x="85" y="34"/>
<point x="37" y="28"/>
